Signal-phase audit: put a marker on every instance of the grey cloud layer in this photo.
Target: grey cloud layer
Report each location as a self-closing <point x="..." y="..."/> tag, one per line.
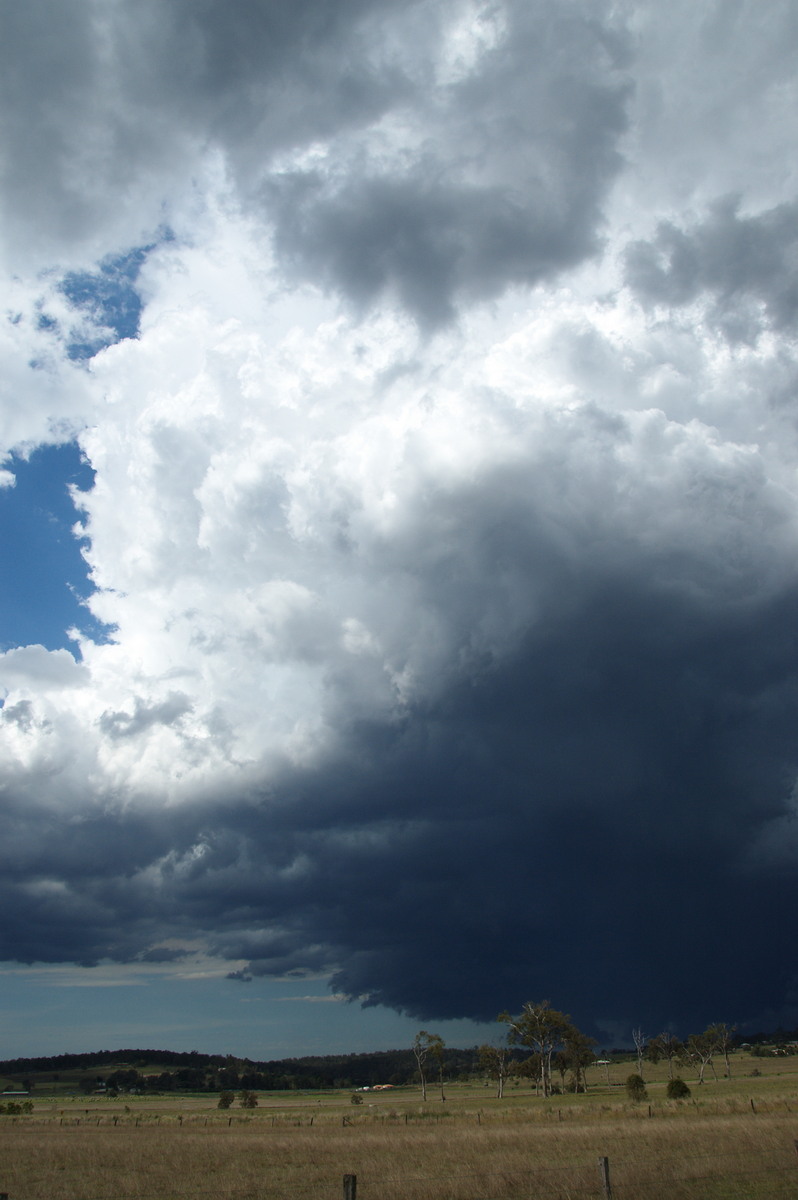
<point x="109" y="107"/>
<point x="505" y="186"/>
<point x="455" y="640"/>
<point x="748" y="263"/>
<point x="490" y="179"/>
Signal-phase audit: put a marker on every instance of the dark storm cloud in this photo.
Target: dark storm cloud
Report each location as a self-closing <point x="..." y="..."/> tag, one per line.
<point x="163" y="954"/>
<point x="571" y="812"/>
<point x="746" y="263"/>
<point x="573" y="819"/>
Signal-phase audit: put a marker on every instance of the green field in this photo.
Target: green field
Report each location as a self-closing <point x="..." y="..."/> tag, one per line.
<point x="733" y="1137"/>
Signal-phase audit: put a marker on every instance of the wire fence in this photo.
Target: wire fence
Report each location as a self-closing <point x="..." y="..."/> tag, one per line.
<point x="72" y="1115"/>
<point x="621" y="1179"/>
<point x="643" y="1167"/>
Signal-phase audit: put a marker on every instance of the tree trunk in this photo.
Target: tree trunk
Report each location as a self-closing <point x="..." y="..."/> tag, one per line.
<point x="547" y="1073"/>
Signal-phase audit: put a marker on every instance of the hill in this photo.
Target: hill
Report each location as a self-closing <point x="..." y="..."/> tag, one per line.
<point x="170" y="1071"/>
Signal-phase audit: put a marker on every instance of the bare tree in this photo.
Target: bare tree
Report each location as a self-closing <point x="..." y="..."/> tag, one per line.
<point x="425" y="1044"/>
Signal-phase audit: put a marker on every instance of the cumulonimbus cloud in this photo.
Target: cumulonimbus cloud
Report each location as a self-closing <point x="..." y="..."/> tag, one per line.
<point x="443" y="516"/>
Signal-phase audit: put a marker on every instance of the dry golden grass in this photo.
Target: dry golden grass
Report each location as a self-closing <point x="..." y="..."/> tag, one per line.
<point x="734" y="1138"/>
<point x="471" y="1150"/>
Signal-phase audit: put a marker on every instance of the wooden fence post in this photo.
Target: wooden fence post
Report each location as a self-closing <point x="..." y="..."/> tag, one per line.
<point x="604" y="1171"/>
<point x="350" y="1187"/>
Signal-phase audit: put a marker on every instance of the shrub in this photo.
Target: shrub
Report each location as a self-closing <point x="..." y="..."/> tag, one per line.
<point x="678" y="1090"/>
<point x="636" y="1088"/>
<point x="356" y="1099"/>
<point x="226" y="1099"/>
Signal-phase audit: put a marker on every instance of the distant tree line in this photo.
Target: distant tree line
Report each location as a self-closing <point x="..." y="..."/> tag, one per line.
<point x="540" y="1044"/>
<point x="133" y="1070"/>
<point x="99" y="1058"/>
<point x="552" y="1044"/>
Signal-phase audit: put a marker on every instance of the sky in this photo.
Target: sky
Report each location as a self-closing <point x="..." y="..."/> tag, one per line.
<point x="399" y="520"/>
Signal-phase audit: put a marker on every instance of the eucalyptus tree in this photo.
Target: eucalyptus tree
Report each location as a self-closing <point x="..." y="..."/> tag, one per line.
<point x="542" y="1030"/>
<point x="701" y="1048"/>
<point x="665" y="1045"/>
<point x="424" y="1045"/>
<point x="724" y="1036"/>
<point x="497" y="1062"/>
<point x="579" y="1052"/>
<point x="639" y="1039"/>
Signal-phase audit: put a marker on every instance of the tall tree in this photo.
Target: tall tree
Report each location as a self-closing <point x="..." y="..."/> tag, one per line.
<point x="497" y="1063"/>
<point x="724" y="1035"/>
<point x="666" y="1046"/>
<point x="436" y="1049"/>
<point x="639" y="1039"/>
<point x="702" y="1047"/>
<point x="578" y="1052"/>
<point x="424" y="1045"/>
<point x="542" y="1029"/>
<point x="529" y="1068"/>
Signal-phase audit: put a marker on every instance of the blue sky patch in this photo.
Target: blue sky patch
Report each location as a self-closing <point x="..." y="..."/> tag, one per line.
<point x="43" y="575"/>
<point x="109" y="297"/>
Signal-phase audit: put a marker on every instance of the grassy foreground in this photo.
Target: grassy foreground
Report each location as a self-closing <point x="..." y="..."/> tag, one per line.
<point x="734" y="1138"/>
